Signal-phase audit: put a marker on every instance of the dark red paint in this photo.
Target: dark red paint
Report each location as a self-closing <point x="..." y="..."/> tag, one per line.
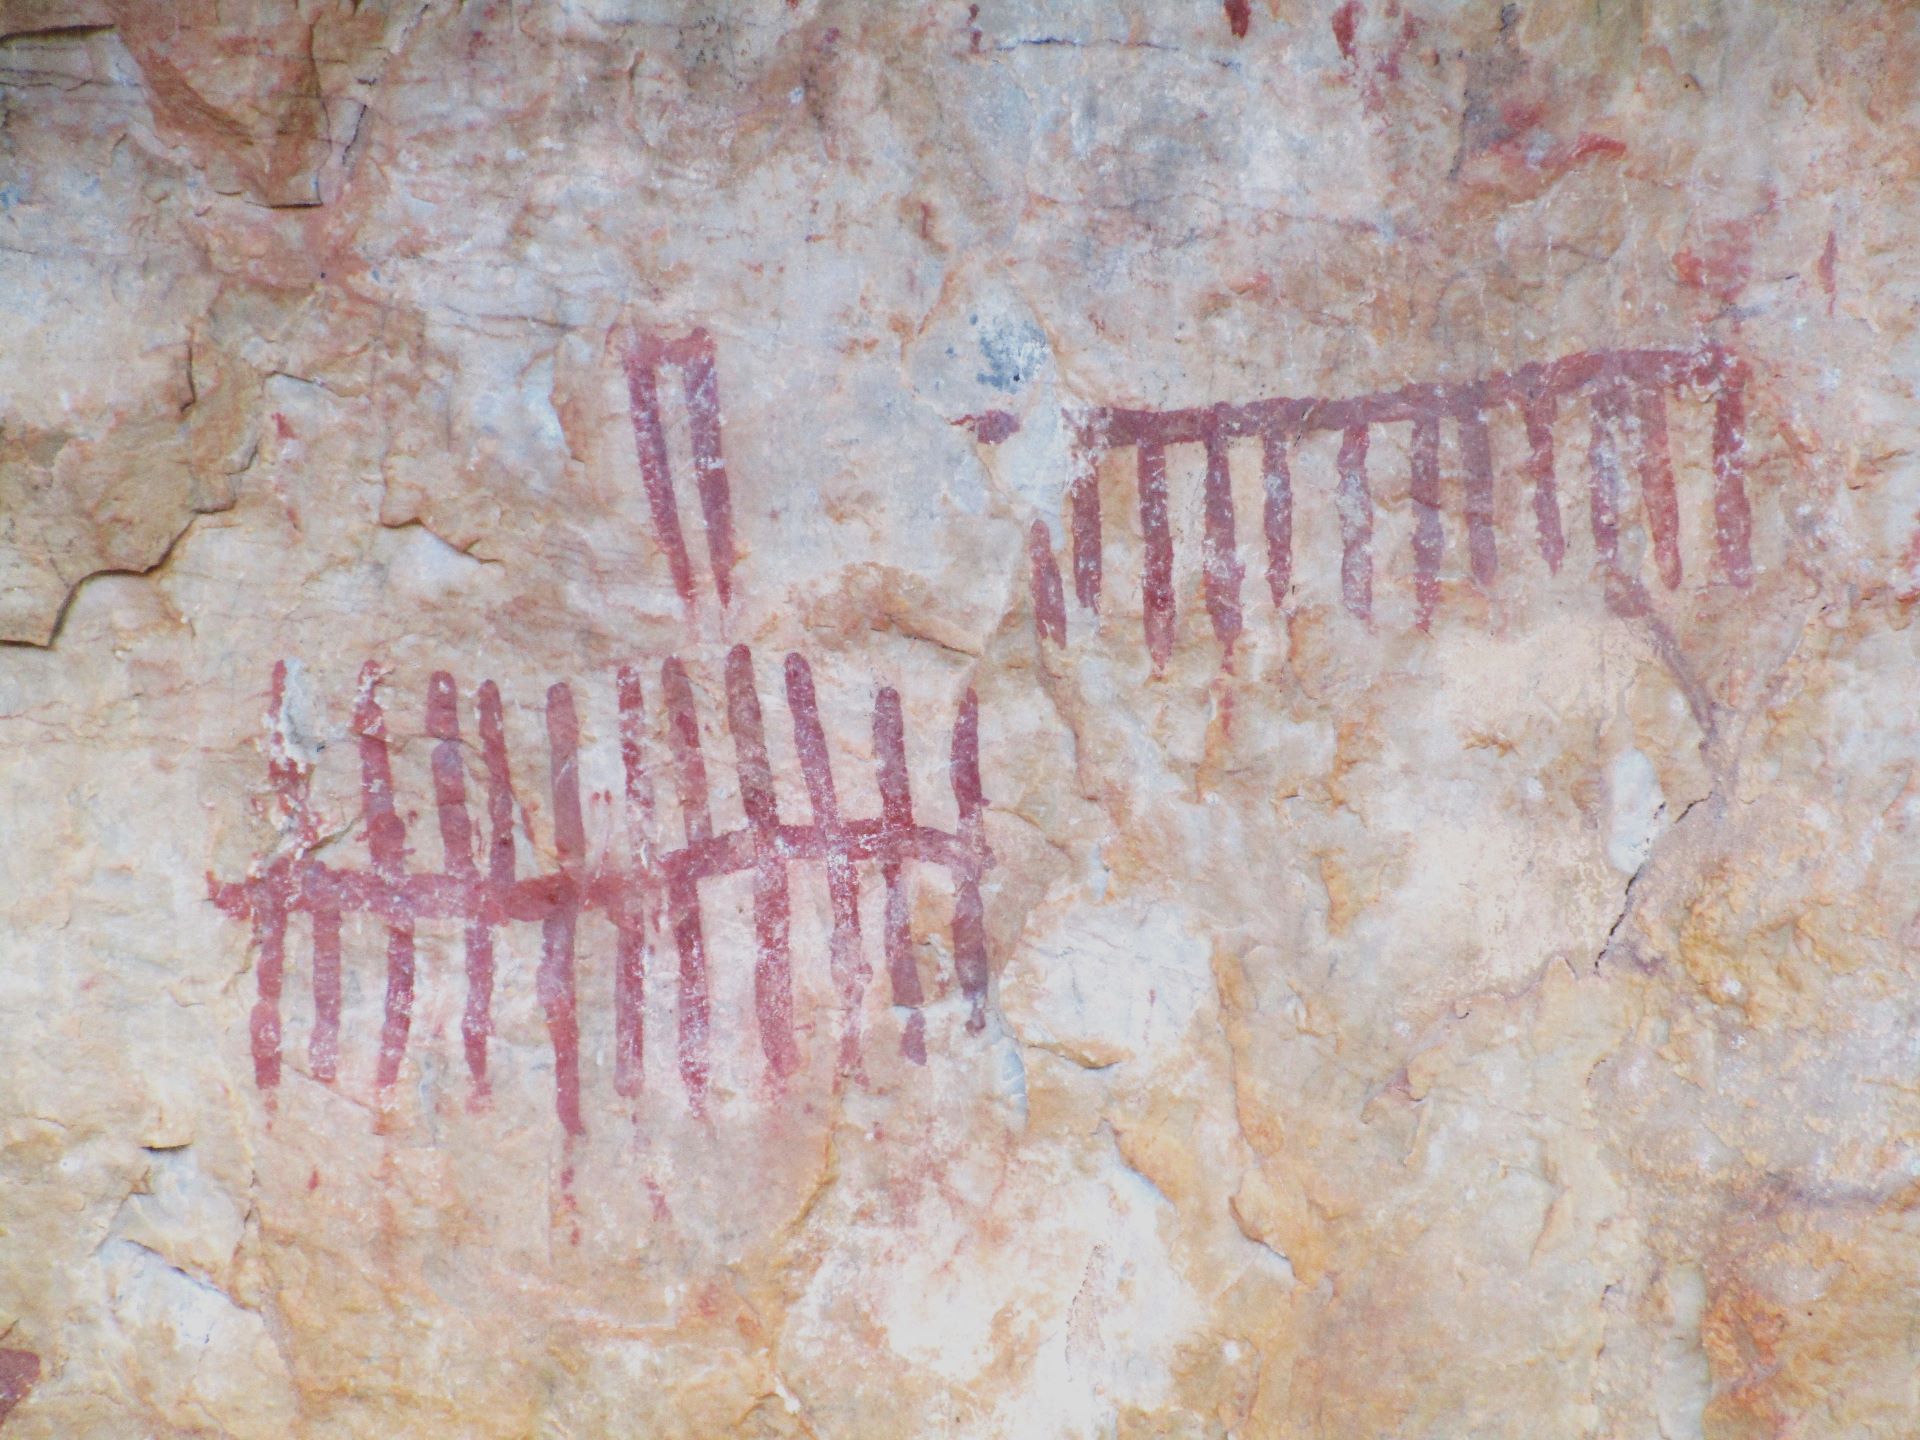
<point x="628" y="893"/>
<point x="1345" y="21"/>
<point x="990" y="427"/>
<point x="1239" y="17"/>
<point x="1627" y="392"/>
<point x="693" y="355"/>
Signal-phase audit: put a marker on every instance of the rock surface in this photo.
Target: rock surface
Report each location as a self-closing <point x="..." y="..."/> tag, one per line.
<point x="1337" y="857"/>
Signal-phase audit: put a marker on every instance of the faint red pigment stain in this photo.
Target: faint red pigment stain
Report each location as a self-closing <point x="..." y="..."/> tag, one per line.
<point x="1156" y="581"/>
<point x="1345" y="21"/>
<point x="19" y="1373"/>
<point x="1239" y="17"/>
<point x="1829" y="261"/>
<point x="693" y="356"/>
<point x="1356" y="525"/>
<point x="1721" y="265"/>
<point x="282" y="426"/>
<point x="1428" y="535"/>
<point x="1627" y="390"/>
<point x="991" y="426"/>
<point x="1587" y="145"/>
<point x="631" y="890"/>
<point x="1389" y="64"/>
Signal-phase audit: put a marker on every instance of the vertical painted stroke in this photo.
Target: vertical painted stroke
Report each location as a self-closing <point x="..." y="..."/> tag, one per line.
<point x="271" y="901"/>
<point x="846" y="963"/>
<point x="1049" y="599"/>
<point x="1732" y="516"/>
<point x="683" y="744"/>
<point x="554" y="986"/>
<point x="1476" y="460"/>
<point x="1603" y="478"/>
<point x="1537" y="411"/>
<point x="683" y="894"/>
<point x="630" y="960"/>
<point x="896" y="823"/>
<point x="456" y="829"/>
<point x="323" y="1047"/>
<point x="1356" y="525"/>
<point x="1156" y="584"/>
<point x="387" y="840"/>
<point x="772" y="906"/>
<point x="1222" y="571"/>
<point x="709" y="465"/>
<point x="1429" y="538"/>
<point x="1654" y="464"/>
<point x="476" y="1025"/>
<point x="650" y="445"/>
<point x="1277" y="513"/>
<point x="554" y="983"/>
<point x="263" y="1026"/>
<point x="1083" y="501"/>
<point x="969" y="915"/>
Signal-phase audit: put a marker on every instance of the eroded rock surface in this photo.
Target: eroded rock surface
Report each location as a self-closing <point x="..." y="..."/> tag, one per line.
<point x="1024" y="719"/>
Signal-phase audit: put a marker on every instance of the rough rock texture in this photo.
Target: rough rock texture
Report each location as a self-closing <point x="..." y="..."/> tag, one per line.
<point x="1337" y="859"/>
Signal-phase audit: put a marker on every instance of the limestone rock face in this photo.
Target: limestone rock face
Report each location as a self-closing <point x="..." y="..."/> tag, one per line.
<point x="1026" y="719"/>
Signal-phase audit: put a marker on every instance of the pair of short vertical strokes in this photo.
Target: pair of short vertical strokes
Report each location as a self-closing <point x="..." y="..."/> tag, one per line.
<point x="693" y="356"/>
